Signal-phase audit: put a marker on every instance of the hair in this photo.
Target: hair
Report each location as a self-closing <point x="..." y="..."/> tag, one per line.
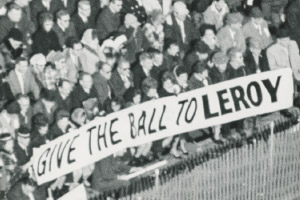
<point x="61" y="13"/>
<point x="153" y="51"/>
<point x="117" y="99"/>
<point x="21" y="59"/>
<point x="199" y="67"/>
<point x="61" y="82"/>
<point x="168" y="76"/>
<point x="71" y="41"/>
<point x="180" y="70"/>
<point x="131" y="93"/>
<point x="48" y="95"/>
<point x="145" y="56"/>
<point x="45" y="16"/>
<point x="205" y="27"/>
<point x="39" y="120"/>
<point x="28" y="181"/>
<point x="148" y="83"/>
<point x="83" y="2"/>
<point x="168" y="43"/>
<point x="232" y="52"/>
<point x="13" y="6"/>
<point x="23" y="129"/>
<point x="81" y="74"/>
<point x="50" y="65"/>
<point x="60" y="114"/>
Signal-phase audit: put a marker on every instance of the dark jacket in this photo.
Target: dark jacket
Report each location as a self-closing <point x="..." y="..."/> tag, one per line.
<point x="44" y="42"/>
<point x="16" y="193"/>
<point x="194" y="83"/>
<point x="39" y="107"/>
<point x="251" y="65"/>
<point x="78" y="95"/>
<point x="22" y="156"/>
<point x="102" y="87"/>
<point x="232" y="73"/>
<point x="138" y="76"/>
<point x="216" y="76"/>
<point x="54" y="132"/>
<point x="64" y="35"/>
<point x="117" y="83"/>
<point x="80" y="26"/>
<point x="133" y="7"/>
<point x="65" y="104"/>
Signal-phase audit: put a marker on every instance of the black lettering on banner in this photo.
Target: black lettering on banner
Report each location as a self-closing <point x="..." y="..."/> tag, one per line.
<point x="222" y="101"/>
<point x="112" y="133"/>
<point x="188" y="110"/>
<point x="132" y="127"/>
<point x="258" y="93"/>
<point x="272" y="90"/>
<point x="51" y="156"/>
<point x="162" y="127"/>
<point x="90" y="142"/>
<point x="150" y="130"/>
<point x="237" y="99"/>
<point x="101" y="136"/>
<point x="181" y="109"/>
<point x="206" y="108"/>
<point x="43" y="162"/>
<point x="61" y="153"/>
<point x="142" y="123"/>
<point x="71" y="148"/>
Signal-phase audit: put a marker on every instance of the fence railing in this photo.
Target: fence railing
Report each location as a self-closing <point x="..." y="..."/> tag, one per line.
<point x="268" y="168"/>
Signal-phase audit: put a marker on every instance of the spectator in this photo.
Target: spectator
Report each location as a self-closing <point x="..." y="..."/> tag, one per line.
<point x="255" y="58"/>
<point x="50" y="76"/>
<point x="81" y="19"/>
<point x="72" y="54"/>
<point x="199" y="76"/>
<point x="58" y="59"/>
<point x="7" y="162"/>
<point x="142" y="70"/>
<point x="169" y="86"/>
<point x="108" y="20"/>
<point x="231" y="34"/>
<point x="61" y="125"/>
<point x="215" y="13"/>
<point x="284" y="53"/>
<point x="134" y="35"/>
<point x="257" y="28"/>
<point x="11" y="49"/>
<point x="79" y="117"/>
<point x="25" y="113"/>
<point x="217" y="72"/>
<point x="158" y="66"/>
<point x="154" y="30"/>
<point x="132" y="97"/>
<point x="22" y="148"/>
<point x="84" y="90"/>
<point x="26" y="83"/>
<point x="181" y="76"/>
<point x="9" y="121"/>
<point x="181" y="28"/>
<point x="63" y="97"/>
<point x="121" y="79"/>
<point x="38" y="7"/>
<point x="91" y="52"/>
<point x="292" y="17"/>
<point x="171" y="54"/>
<point x="101" y="82"/>
<point x="37" y="63"/>
<point x="63" y="27"/>
<point x="45" y="39"/>
<point x="46" y="105"/>
<point x="40" y="125"/>
<point x="209" y="39"/>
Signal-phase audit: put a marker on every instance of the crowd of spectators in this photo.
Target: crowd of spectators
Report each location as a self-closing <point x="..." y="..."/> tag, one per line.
<point x="64" y="63"/>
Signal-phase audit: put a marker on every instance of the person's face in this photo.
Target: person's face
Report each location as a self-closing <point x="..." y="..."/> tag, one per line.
<point x="3" y="11"/>
<point x="82" y="119"/>
<point x="15" y="43"/>
<point x="210" y="35"/>
<point x="22" y="67"/>
<point x="63" y="123"/>
<point x="77" y="49"/>
<point x="147" y="64"/>
<point x="203" y="56"/>
<point x="24" y="104"/>
<point x="158" y="59"/>
<point x="182" y="78"/>
<point x="43" y="130"/>
<point x="115" y="106"/>
<point x="24" y="141"/>
<point x="48" y="24"/>
<point x="257" y="21"/>
<point x="284" y="41"/>
<point x="39" y="68"/>
<point x="60" y="64"/>
<point x="236" y="26"/>
<point x="222" y="67"/>
<point x="15" y="15"/>
<point x="117" y="5"/>
<point x="111" y="61"/>
<point x="152" y="92"/>
<point x="256" y="50"/>
<point x="219" y="4"/>
<point x="65" y="89"/>
<point x="86" y="82"/>
<point x="125" y="69"/>
<point x="9" y="146"/>
<point x="106" y="71"/>
<point x="174" y="50"/>
<point x="181" y="13"/>
<point x="239" y="59"/>
<point x="168" y="85"/>
<point x="65" y="21"/>
<point x="160" y="19"/>
<point x="85" y="10"/>
<point x="204" y="74"/>
<point x="137" y="99"/>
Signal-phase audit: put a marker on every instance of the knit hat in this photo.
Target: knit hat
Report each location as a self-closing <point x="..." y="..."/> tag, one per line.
<point x="77" y="114"/>
<point x="234" y="18"/>
<point x="15" y="34"/>
<point x="256" y="13"/>
<point x="23" y="132"/>
<point x="219" y="58"/>
<point x="55" y="56"/>
<point x="4" y="137"/>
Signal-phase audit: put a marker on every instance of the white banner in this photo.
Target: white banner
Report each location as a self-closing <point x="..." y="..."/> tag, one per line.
<point x="216" y="104"/>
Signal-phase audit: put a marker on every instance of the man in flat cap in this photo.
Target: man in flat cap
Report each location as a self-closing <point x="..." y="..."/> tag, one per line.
<point x="231" y="34"/>
<point x="22" y="148"/>
<point x="258" y="28"/>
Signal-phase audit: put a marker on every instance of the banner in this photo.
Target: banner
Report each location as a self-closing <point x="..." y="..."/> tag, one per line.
<point x="212" y="105"/>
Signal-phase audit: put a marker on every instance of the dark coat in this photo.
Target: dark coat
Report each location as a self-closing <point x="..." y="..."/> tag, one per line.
<point x="173" y="31"/>
<point x="293" y="21"/>
<point x="232" y="73"/>
<point x="216" y="76"/>
<point x="194" y="83"/>
<point x="80" y="26"/>
<point x="71" y="6"/>
<point x="64" y="35"/>
<point x="102" y="87"/>
<point x="54" y="132"/>
<point x="107" y="22"/>
<point x="21" y="155"/>
<point x="65" y="104"/>
<point x="117" y="83"/>
<point x="44" y="42"/>
<point x="138" y="76"/>
<point x="39" y="107"/>
<point x="78" y="95"/>
<point x="251" y="65"/>
<point x="10" y="55"/>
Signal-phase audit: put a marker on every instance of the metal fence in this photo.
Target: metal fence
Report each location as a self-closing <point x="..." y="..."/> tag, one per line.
<point x="267" y="169"/>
